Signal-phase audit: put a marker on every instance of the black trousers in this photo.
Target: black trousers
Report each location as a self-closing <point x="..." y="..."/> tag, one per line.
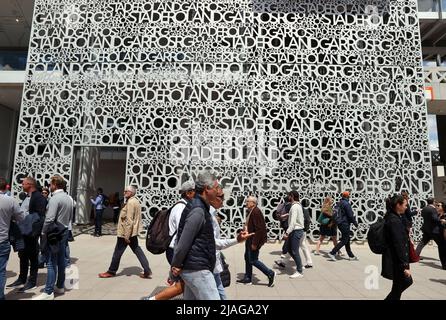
<point x="441" y="244"/>
<point x="29" y="259"/>
<point x="345" y="240"/>
<point x="115" y="215"/>
<point x="400" y="283"/>
<point x="120" y="247"/>
<point x="98" y="222"/>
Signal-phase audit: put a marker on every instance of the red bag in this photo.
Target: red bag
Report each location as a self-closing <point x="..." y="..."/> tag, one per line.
<point x="413" y="256"/>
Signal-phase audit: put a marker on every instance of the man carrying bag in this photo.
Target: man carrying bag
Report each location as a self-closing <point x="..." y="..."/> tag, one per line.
<point x="31" y="228"/>
<point x="55" y="237"/>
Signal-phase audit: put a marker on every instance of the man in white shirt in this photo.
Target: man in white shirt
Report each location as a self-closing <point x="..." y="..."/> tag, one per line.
<point x="187" y="191"/>
<point x="295" y="232"/>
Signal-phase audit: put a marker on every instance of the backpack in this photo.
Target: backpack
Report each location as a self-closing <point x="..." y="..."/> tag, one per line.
<point x="105" y="200"/>
<point x="376" y="237"/>
<point x="157" y="237"/>
<point x="337" y="213"/>
<point x="307" y="220"/>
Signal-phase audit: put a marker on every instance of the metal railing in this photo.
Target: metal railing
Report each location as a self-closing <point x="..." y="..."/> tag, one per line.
<point x="435" y="75"/>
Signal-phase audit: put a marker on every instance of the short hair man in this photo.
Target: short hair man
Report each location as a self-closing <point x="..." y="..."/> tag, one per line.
<point x="60" y="209"/>
<point x="129" y="226"/>
<point x="9" y="210"/>
<point x="29" y="256"/>
<point x="194" y="253"/>
<point x="98" y="205"/>
<point x="222" y="243"/>
<point x="346" y="218"/>
<point x="432" y="229"/>
<point x="255" y="223"/>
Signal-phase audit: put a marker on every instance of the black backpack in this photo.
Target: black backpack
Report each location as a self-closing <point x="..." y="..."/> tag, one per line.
<point x="105" y="200"/>
<point x="376" y="237"/>
<point x="157" y="237"/>
<point x="338" y="213"/>
<point x="307" y="219"/>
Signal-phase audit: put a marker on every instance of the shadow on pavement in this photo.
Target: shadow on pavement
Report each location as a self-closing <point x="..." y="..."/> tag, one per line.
<point x="130" y="271"/>
<point x="442" y="281"/>
<point x="431" y="264"/>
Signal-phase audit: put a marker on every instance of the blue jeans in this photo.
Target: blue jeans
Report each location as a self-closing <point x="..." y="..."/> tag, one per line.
<point x="5" y="249"/>
<point x="285" y="247"/>
<point x="252" y="259"/>
<point x="98" y="221"/>
<point x="67" y="256"/>
<point x="220" y="288"/>
<point x="56" y="266"/>
<point x="199" y="285"/>
<point x="293" y="248"/>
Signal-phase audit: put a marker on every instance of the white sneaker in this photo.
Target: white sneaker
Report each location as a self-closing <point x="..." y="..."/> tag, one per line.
<point x="355" y="258"/>
<point x="296" y="275"/>
<point x="331" y="257"/>
<point x="44" y="296"/>
<point x="59" y="290"/>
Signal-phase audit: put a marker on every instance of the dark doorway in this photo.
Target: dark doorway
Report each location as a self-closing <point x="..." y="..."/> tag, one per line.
<point x="100" y="167"/>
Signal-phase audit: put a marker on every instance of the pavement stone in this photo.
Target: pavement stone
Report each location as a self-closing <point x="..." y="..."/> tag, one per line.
<point x="340" y="280"/>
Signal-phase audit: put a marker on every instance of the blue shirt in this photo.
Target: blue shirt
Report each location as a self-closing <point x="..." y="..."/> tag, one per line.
<point x="98" y="202"/>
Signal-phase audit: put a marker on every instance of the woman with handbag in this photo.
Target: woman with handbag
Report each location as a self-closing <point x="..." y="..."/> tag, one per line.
<point x="396" y="258"/>
<point x="328" y="226"/>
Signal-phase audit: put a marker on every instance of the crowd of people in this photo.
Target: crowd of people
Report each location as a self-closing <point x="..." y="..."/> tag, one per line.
<point x="42" y="224"/>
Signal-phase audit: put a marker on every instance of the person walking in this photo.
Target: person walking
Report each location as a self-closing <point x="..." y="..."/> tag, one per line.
<point x="220" y="244"/>
<point x="395" y="259"/>
<point x="281" y="214"/>
<point x="295" y="232"/>
<point x="328" y="226"/>
<point x="431" y="228"/>
<point x="346" y="218"/>
<point x="60" y="210"/>
<point x="195" y="252"/>
<point x="9" y="210"/>
<point x="129" y="226"/>
<point x="187" y="192"/>
<point x="255" y="223"/>
<point x="29" y="257"/>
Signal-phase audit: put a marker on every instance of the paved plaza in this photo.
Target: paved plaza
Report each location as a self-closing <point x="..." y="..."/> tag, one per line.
<point x="342" y="279"/>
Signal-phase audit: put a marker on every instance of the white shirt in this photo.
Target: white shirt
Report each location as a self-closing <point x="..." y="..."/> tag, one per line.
<point x="296" y="218"/>
<point x="174" y="220"/>
<point x="220" y="244"/>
